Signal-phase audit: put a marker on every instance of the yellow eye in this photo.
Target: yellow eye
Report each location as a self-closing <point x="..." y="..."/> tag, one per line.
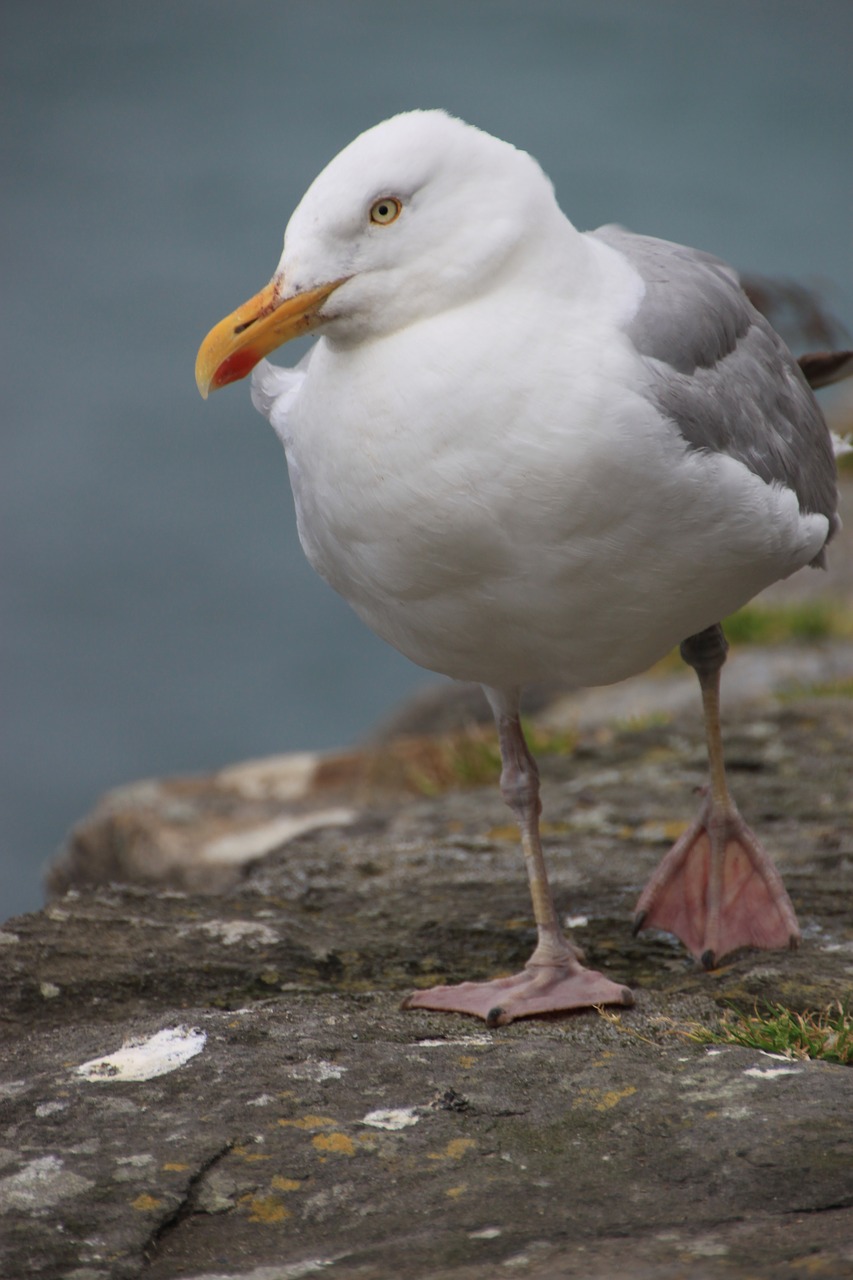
<point x="386" y="210"/>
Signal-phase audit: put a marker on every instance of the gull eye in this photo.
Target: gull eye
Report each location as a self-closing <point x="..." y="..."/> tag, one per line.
<point x="385" y="210"/>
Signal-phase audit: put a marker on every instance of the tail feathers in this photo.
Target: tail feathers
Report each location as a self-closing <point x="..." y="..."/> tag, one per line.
<point x="823" y="368"/>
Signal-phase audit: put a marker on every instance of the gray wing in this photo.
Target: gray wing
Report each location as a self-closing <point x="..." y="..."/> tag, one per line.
<point x="722" y="374"/>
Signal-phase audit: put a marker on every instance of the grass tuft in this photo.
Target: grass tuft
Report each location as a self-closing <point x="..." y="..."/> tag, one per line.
<point x="429" y="766"/>
<point x="547" y="742"/>
<point x="842" y="688"/>
<point x="826" y="1033"/>
<point x="801" y="620"/>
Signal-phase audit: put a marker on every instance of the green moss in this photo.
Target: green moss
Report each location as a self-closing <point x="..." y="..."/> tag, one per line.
<point x="543" y="742"/>
<point x="639" y="723"/>
<point x="801" y="620"/>
<point x="823" y="689"/>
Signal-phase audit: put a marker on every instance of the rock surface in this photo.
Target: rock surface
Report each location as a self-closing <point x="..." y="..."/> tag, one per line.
<point x="278" y="1116"/>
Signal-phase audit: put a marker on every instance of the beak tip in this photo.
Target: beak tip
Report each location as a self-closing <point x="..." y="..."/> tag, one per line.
<point x="203" y="380"/>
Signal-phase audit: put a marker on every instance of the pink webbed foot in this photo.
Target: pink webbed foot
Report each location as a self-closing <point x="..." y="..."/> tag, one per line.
<point x="718" y="890"/>
<point x="539" y="988"/>
<point x="554" y="980"/>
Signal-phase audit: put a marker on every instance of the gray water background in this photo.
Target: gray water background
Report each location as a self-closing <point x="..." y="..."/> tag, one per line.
<point x="158" y="615"/>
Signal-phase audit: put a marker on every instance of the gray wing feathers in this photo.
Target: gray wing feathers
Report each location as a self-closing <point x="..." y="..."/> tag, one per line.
<point x="722" y="374"/>
<point x="693" y="311"/>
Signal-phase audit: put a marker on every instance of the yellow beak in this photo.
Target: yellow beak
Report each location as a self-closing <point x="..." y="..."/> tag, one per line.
<point x="235" y="345"/>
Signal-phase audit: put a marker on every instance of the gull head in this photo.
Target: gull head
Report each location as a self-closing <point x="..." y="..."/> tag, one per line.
<point x="417" y="215"/>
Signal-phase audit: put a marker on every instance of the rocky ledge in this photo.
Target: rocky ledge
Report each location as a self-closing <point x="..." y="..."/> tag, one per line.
<point x="215" y="1079"/>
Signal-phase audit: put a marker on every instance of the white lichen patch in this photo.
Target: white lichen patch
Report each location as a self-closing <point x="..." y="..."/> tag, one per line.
<point x="8" y="939"/>
<point x="487" y="1233"/>
<point x="128" y="1168"/>
<point x="707" y="1247"/>
<point x="144" y="1059"/>
<point x="467" y="1041"/>
<point x="318" y="1071"/>
<point x="13" y="1088"/>
<point x="230" y="932"/>
<point x="401" y="1118"/>
<point x="576" y="922"/>
<point x="278" y="1271"/>
<point x="729" y="1095"/>
<point x="771" y="1073"/>
<point x="49" y="1108"/>
<point x="40" y="1184"/>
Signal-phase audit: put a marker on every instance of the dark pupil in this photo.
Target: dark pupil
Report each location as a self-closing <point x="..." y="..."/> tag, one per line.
<point x="383" y="210"/>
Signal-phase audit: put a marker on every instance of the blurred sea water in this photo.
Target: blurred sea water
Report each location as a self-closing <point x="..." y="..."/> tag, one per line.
<point x="158" y="615"/>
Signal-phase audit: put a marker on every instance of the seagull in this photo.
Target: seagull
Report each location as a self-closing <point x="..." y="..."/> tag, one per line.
<point x="522" y="451"/>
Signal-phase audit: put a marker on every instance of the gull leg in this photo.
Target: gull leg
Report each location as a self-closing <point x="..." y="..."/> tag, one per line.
<point x="717" y="889"/>
<point x="553" y="980"/>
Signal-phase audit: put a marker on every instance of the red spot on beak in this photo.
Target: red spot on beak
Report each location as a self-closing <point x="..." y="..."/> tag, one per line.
<point x="235" y="367"/>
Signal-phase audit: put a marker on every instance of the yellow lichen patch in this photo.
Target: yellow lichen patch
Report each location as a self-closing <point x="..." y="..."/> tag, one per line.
<point x="660" y="832"/>
<point x="455" y="1192"/>
<point x="279" y="1183"/>
<point x="509" y="831"/>
<point x="251" y="1157"/>
<point x="339" y="1143"/>
<point x="267" y="1209"/>
<point x="603" y="1099"/>
<point x="503" y="832"/>
<point x="146" y="1203"/>
<point x="823" y="1264"/>
<point x="309" y="1122"/>
<point x="467" y="1060"/>
<point x="454" y="1150"/>
<point x="174" y="1168"/>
